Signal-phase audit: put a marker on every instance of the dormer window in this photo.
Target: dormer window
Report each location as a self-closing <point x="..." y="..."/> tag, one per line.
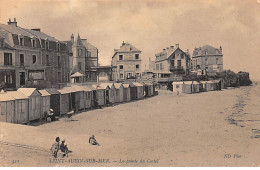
<point x="58" y="46"/>
<point x="21" y="41"/>
<point x="47" y="44"/>
<point x="206" y="52"/>
<point x="33" y="43"/>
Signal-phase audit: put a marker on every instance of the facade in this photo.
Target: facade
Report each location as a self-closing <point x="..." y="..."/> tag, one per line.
<point x="31" y="58"/>
<point x="171" y="61"/>
<point x="126" y="63"/>
<point x="207" y="60"/>
<point x="83" y="58"/>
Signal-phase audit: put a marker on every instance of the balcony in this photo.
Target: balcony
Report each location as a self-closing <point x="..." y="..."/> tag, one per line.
<point x="175" y="68"/>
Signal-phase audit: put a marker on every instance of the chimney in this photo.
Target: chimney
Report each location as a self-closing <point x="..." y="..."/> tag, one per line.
<point x="172" y="47"/>
<point x="164" y="50"/>
<point x="177" y="45"/>
<point x="72" y="38"/>
<point x="123" y="43"/>
<point x="168" y="48"/>
<point x="12" y="23"/>
<point x="36" y="29"/>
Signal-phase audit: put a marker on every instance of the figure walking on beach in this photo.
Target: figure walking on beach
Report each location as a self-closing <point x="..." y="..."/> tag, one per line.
<point x="55" y="147"/>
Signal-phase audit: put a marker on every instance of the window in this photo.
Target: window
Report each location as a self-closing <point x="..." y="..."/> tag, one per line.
<point x="8" y="78"/>
<point x="47" y="44"/>
<point x="172" y="63"/>
<point x="177" y="86"/>
<point x="216" y="60"/>
<point x="34" y="58"/>
<point x="120" y="57"/>
<point x="206" y="52"/>
<point x="21" y="59"/>
<point x="21" y="42"/>
<point x="121" y="76"/>
<point x="8" y="59"/>
<point x="161" y="66"/>
<point x="58" y="46"/>
<point x="137" y="56"/>
<point x="206" y="61"/>
<point x="157" y="66"/>
<point x="33" y="43"/>
<point x="36" y="75"/>
<point x="121" y="67"/>
<point x="137" y="66"/>
<point x="2" y="109"/>
<point x="59" y="61"/>
<point x="173" y="56"/>
<point x="47" y="60"/>
<point x="79" y="65"/>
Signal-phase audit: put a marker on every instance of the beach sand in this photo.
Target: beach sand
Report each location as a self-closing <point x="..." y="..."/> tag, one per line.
<point x="219" y="128"/>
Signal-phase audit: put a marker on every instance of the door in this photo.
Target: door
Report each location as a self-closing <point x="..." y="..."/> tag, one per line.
<point x="73" y="101"/>
<point x="22" y="78"/>
<point x="107" y="96"/>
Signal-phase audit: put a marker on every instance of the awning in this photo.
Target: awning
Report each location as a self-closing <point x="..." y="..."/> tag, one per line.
<point x="77" y="74"/>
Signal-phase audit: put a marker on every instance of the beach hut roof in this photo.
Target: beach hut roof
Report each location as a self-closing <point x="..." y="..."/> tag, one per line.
<point x="204" y="82"/>
<point x="187" y="82"/>
<point x="17" y="95"/>
<point x="178" y="82"/>
<point x="98" y="87"/>
<point x="64" y="91"/>
<point x="215" y="81"/>
<point x="118" y="85"/>
<point x="77" y="74"/>
<point x="91" y="87"/>
<point x="70" y="89"/>
<point x="126" y="85"/>
<point x="110" y="85"/>
<point x="52" y="91"/>
<point x="4" y="96"/>
<point x="44" y="93"/>
<point x="138" y="84"/>
<point x="27" y="91"/>
<point x="148" y="83"/>
<point x="86" y="88"/>
<point x="195" y="82"/>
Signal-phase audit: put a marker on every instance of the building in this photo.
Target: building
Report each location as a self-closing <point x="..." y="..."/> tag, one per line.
<point x="171" y="62"/>
<point x="31" y="58"/>
<point x="83" y="58"/>
<point x="207" y="60"/>
<point x="126" y="63"/>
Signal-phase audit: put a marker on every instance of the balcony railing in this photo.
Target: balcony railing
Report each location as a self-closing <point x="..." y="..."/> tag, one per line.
<point x="173" y="68"/>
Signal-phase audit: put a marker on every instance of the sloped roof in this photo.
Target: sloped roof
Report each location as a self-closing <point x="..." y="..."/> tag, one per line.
<point x="5" y="96"/>
<point x="138" y="84"/>
<point x="77" y="74"/>
<point x="187" y="82"/>
<point x="27" y="91"/>
<point x="52" y="91"/>
<point x="107" y="84"/>
<point x="126" y="85"/>
<point x="118" y="85"/>
<point x="178" y="82"/>
<point x="64" y="91"/>
<point x="15" y="30"/>
<point x="40" y="34"/>
<point x="210" y="50"/>
<point x="96" y="86"/>
<point x="44" y="93"/>
<point x="126" y="47"/>
<point x="17" y="95"/>
<point x="86" y="88"/>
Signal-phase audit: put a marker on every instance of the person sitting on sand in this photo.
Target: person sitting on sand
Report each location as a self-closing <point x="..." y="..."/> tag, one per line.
<point x="55" y="147"/>
<point x="93" y="141"/>
<point x="64" y="148"/>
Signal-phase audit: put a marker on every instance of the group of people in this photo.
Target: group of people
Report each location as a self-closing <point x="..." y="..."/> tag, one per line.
<point x="63" y="147"/>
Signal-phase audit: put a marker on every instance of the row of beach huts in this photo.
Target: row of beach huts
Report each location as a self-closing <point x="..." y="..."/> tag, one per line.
<point x="190" y="87"/>
<point x="29" y="104"/>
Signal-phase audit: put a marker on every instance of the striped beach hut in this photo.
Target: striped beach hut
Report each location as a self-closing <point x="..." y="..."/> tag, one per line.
<point x="45" y="102"/>
<point x="126" y="93"/>
<point x="79" y="97"/>
<point x="65" y="105"/>
<point x="110" y="92"/>
<point x="87" y="97"/>
<point x="140" y="90"/>
<point x="34" y="102"/>
<point x="119" y="92"/>
<point x="21" y="114"/>
<point x="99" y="94"/>
<point x="177" y="87"/>
<point x="55" y="100"/>
<point x="197" y="87"/>
<point x="133" y="91"/>
<point x="7" y="107"/>
<point x="217" y="84"/>
<point x="187" y="87"/>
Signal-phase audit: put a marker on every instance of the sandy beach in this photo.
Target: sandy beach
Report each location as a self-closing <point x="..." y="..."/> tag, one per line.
<point x="220" y="128"/>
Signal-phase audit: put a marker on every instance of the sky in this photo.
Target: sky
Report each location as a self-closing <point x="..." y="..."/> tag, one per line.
<point x="149" y="25"/>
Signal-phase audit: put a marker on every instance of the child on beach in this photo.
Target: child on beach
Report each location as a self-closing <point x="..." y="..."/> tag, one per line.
<point x="55" y="147"/>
